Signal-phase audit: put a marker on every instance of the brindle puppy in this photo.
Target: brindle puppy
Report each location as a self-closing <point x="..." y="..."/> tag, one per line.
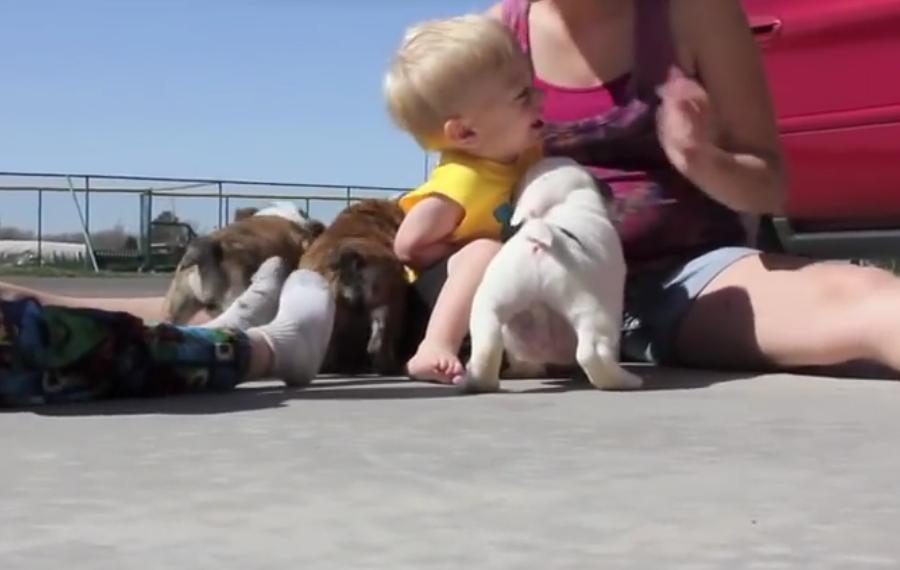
<point x="356" y="255"/>
<point x="217" y="268"/>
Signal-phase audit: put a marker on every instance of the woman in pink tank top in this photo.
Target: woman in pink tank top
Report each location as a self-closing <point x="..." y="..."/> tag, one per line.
<point x="684" y="152"/>
<point x="611" y="129"/>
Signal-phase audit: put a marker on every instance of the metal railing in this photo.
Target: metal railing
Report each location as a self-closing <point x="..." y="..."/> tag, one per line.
<point x="86" y="190"/>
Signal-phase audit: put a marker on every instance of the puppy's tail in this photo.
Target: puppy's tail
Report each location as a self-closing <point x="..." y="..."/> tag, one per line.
<point x="538" y="232"/>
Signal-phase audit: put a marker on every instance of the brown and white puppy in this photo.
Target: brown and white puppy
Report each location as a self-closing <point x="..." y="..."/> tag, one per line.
<point x="217" y="268"/>
<point x="356" y="255"/>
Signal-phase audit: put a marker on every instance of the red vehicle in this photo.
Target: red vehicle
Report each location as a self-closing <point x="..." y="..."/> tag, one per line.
<point x="834" y="70"/>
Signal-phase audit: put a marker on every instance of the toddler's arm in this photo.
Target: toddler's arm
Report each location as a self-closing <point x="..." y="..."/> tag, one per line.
<point x="423" y="236"/>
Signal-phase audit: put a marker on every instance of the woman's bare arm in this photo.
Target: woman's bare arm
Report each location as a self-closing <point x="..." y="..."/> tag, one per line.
<point x="743" y="168"/>
<point x="147" y="308"/>
<point x="11" y="292"/>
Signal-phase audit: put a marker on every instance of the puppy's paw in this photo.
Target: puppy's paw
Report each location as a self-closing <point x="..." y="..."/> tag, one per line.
<point x="472" y="384"/>
<point x="627" y="380"/>
<point x="611" y="376"/>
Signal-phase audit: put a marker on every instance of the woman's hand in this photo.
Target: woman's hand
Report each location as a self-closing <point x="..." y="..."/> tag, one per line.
<point x="685" y="123"/>
<point x="687" y="132"/>
<point x="721" y="133"/>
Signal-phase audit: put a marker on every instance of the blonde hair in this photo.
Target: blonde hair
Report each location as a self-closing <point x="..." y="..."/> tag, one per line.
<point x="438" y="66"/>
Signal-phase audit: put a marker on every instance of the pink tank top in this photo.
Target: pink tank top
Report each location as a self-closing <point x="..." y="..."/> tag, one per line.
<point x="611" y="129"/>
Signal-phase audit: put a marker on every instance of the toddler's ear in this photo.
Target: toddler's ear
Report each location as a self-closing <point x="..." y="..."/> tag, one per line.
<point x="458" y="132"/>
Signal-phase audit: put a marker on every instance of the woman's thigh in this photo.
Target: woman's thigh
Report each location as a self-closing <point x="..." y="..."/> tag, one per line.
<point x="774" y="311"/>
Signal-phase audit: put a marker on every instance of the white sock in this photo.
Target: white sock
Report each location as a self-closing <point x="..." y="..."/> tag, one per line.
<point x="300" y="332"/>
<point x="259" y="303"/>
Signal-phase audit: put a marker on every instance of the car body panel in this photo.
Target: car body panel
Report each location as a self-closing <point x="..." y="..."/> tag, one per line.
<point x="833" y="68"/>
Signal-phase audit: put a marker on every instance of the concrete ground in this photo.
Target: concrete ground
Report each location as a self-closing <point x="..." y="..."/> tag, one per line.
<point x="701" y="470"/>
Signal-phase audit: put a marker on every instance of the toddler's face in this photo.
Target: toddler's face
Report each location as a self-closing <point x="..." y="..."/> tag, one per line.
<point x="506" y="116"/>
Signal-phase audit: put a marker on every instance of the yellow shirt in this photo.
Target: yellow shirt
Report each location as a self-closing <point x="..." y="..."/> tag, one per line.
<point x="482" y="187"/>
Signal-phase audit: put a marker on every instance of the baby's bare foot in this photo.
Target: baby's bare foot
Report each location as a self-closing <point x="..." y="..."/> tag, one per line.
<point x="435" y="363"/>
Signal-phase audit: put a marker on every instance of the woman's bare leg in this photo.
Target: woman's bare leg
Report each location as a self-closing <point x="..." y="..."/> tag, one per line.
<point x="783" y="312"/>
<point x="148" y="308"/>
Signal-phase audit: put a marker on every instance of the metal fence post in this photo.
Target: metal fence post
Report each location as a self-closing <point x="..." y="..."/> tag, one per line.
<point x="348" y="196"/>
<point x="87" y="204"/>
<point x="40" y="227"/>
<point x="227" y="209"/>
<point x="147" y="219"/>
<point x="219" y="184"/>
<point x="87" y="208"/>
<point x="84" y="231"/>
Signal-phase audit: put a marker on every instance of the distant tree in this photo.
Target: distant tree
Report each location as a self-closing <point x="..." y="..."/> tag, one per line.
<point x="167" y="229"/>
<point x="113" y="238"/>
<point x="65" y="237"/>
<point x="13" y="233"/>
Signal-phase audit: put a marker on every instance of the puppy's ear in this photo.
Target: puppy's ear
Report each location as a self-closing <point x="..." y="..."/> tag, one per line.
<point x="538" y="232"/>
<point x="519" y="216"/>
<point x="315" y="229"/>
<point x="200" y="252"/>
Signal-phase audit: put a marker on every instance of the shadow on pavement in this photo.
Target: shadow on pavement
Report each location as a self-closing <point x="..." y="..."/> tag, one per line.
<point x="672" y="379"/>
<point x="655" y="379"/>
<point x="275" y="395"/>
<point x="250" y="398"/>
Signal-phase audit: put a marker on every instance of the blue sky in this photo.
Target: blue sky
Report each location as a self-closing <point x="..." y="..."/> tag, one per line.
<point x="281" y="90"/>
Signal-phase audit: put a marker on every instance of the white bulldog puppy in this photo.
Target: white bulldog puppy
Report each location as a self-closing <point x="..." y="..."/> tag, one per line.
<point x="554" y="292"/>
